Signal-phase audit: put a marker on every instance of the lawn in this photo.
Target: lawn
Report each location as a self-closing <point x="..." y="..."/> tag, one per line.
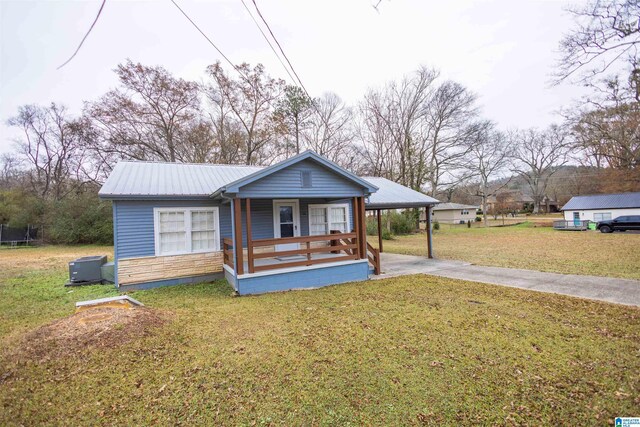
<point x="411" y="350"/>
<point x="529" y="247"/>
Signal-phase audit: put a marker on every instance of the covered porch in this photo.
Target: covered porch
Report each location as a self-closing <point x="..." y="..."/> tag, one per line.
<point x="297" y="253"/>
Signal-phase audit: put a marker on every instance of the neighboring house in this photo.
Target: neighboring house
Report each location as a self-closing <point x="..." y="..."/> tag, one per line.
<point x="297" y="224"/>
<point x="601" y="207"/>
<point x="453" y="213"/>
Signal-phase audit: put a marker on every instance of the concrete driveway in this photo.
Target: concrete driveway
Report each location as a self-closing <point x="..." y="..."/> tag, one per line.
<point x="619" y="291"/>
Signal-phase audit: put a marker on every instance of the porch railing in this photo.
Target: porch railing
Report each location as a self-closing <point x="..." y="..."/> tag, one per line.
<point x="373" y="255"/>
<point x="227" y="251"/>
<point x="338" y="243"/>
<point x="571" y="225"/>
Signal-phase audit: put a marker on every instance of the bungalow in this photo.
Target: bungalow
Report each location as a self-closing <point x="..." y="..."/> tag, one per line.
<point x="297" y="224"/>
<point x="454" y="213"/>
<point x="601" y="207"/>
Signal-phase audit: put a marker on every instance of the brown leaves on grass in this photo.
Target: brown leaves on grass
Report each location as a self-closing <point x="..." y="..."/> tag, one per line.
<point x="100" y="327"/>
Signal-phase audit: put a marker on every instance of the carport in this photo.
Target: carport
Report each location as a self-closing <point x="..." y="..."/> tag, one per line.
<point x="391" y="196"/>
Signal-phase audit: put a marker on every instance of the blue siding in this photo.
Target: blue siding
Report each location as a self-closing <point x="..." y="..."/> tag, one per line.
<point x="307" y="278"/>
<point x="287" y="183"/>
<point x="133" y="222"/>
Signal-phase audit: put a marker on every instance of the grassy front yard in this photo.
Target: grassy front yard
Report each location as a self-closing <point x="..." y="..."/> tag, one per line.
<point x="413" y="350"/>
<point x="533" y="248"/>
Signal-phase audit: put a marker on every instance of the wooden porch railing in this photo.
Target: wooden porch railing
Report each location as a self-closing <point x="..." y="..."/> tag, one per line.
<point x="373" y="255"/>
<point x="340" y="242"/>
<point x="227" y="251"/>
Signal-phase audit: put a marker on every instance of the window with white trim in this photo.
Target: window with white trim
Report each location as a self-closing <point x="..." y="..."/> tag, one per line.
<point x="186" y="230"/>
<point x="324" y="218"/>
<point x="597" y="217"/>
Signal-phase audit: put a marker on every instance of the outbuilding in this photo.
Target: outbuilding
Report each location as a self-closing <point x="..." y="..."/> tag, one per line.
<point x="601" y="207"/>
<point x="454" y="213"/>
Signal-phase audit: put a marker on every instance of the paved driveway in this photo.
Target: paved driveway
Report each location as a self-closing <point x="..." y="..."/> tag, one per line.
<point x="620" y="291"/>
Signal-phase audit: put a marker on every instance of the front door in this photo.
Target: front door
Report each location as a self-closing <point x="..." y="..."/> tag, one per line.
<point x="576" y="219"/>
<point x="286" y="222"/>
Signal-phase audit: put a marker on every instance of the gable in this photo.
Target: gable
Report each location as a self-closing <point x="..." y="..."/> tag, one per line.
<point x="305" y="178"/>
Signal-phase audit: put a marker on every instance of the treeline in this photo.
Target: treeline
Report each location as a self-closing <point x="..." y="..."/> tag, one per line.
<point x="423" y="131"/>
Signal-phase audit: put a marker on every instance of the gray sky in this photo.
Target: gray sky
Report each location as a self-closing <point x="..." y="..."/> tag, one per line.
<point x="503" y="50"/>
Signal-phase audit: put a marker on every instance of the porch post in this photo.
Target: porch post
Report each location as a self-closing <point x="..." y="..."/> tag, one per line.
<point x="356" y="224"/>
<point x="363" y="229"/>
<point x="237" y="219"/>
<point x="429" y="233"/>
<point x="379" y="232"/>
<point x="249" y="237"/>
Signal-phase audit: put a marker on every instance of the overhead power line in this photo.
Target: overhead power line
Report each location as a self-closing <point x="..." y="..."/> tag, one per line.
<point x="280" y="47"/>
<point x="269" y="42"/>
<point x="85" y="35"/>
<point x="208" y="39"/>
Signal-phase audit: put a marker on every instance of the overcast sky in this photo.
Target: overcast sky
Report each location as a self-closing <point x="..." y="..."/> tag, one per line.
<point x="502" y="50"/>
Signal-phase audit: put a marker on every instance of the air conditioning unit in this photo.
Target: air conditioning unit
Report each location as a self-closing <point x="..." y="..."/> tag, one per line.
<point x="86" y="270"/>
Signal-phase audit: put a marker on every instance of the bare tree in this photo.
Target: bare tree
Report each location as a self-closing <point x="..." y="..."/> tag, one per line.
<point x="330" y="132"/>
<point x="393" y="128"/>
<point x="150" y="117"/>
<point x="538" y="155"/>
<point x="252" y="100"/>
<point x="605" y="31"/>
<point x="490" y="156"/>
<point x="50" y="146"/>
<point x="451" y="130"/>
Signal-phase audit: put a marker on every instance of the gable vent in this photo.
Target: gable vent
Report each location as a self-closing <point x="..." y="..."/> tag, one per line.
<point x="306" y="179"/>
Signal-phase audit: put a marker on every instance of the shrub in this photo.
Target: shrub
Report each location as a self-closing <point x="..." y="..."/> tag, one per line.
<point x="478" y="219"/>
<point x="436" y="225"/>
<point x="80" y="219"/>
<point x="372" y="228"/>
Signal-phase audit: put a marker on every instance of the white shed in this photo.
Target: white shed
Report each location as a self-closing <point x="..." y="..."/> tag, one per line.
<point x="601" y="207"/>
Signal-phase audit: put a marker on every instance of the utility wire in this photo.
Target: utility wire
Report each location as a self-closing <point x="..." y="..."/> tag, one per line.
<point x="85" y="35"/>
<point x="208" y="39"/>
<point x="269" y="42"/>
<point x="280" y="47"/>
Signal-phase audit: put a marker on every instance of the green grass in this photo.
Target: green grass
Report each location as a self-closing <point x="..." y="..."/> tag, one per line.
<point x="411" y="350"/>
<point x="533" y="248"/>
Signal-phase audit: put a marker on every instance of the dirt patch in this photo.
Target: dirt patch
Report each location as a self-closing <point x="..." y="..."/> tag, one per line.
<point x="99" y="327"/>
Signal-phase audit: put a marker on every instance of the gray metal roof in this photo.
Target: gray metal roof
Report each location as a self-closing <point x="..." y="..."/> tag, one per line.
<point x="453" y="206"/>
<point x="156" y="179"/>
<point x="603" y="201"/>
<point x="391" y="195"/>
<point x="153" y="180"/>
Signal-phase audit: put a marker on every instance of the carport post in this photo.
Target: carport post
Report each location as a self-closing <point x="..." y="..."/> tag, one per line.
<point x="379" y="232"/>
<point x="429" y="234"/>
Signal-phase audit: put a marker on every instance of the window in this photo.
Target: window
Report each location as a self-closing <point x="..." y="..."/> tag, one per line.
<point x="324" y="218"/>
<point x="464" y="212"/>
<point x="186" y="230"/>
<point x="597" y="217"/>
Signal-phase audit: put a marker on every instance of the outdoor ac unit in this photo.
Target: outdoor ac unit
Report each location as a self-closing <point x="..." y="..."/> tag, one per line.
<point x="86" y="270"/>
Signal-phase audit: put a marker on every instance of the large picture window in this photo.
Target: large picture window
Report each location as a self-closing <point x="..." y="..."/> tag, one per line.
<point x="325" y="218"/>
<point x="186" y="230"/>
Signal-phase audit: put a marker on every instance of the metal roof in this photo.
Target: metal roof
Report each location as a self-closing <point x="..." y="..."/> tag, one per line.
<point x="603" y="201"/>
<point x="156" y="179"/>
<point x="453" y="206"/>
<point x="391" y="195"/>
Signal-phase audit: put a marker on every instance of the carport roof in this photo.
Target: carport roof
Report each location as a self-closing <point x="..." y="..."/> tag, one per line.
<point x="391" y="195"/>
